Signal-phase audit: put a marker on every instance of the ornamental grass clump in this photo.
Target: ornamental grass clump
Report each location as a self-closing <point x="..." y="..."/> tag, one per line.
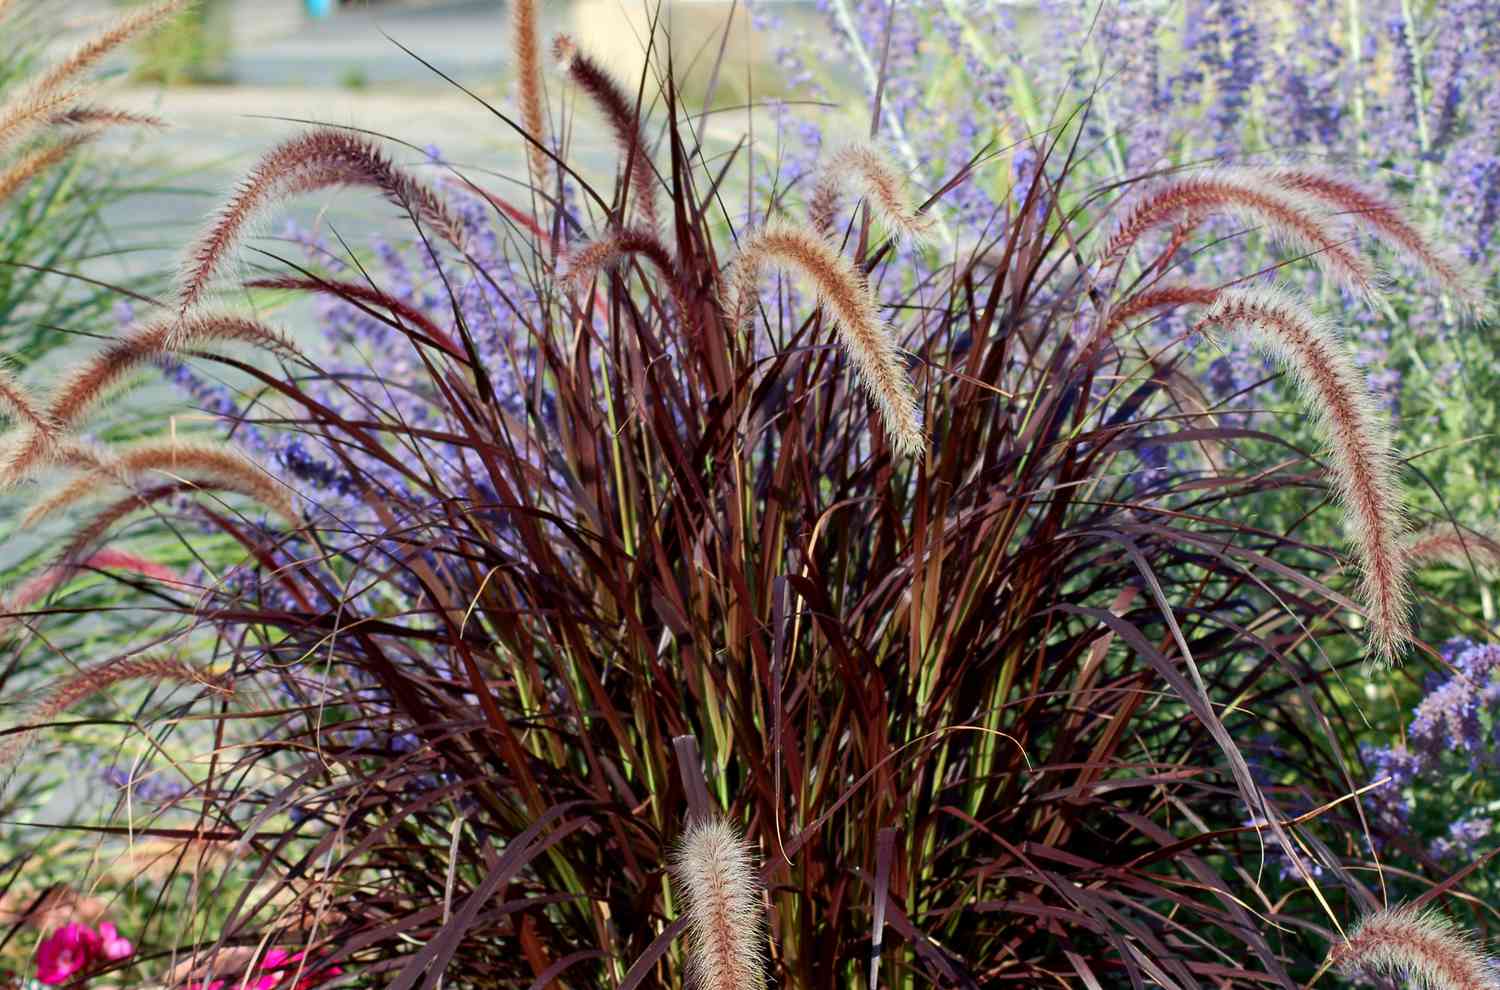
<point x="603" y="573"/>
<point x="1420" y="946"/>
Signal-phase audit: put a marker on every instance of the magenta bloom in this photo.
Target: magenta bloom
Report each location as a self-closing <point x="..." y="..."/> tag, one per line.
<point x="112" y="946"/>
<point x="279" y="962"/>
<point x="69" y="949"/>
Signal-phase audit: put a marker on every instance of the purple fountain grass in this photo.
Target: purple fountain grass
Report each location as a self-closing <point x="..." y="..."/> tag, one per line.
<point x="1420" y="946"/>
<point x="1445" y="543"/>
<point x="716" y="879"/>
<point x="620" y="113"/>
<point x="47" y="95"/>
<point x="1290" y="218"/>
<point x="1149" y="301"/>
<point x="104" y="116"/>
<point x="860" y="169"/>
<point x="129" y="25"/>
<point x="1364" y="467"/>
<point x="37" y="587"/>
<point x="89" y="681"/>
<point x="320" y="159"/>
<point x="526" y="48"/>
<point x="88" y="384"/>
<point x="226" y="467"/>
<point x="37" y="161"/>
<point x="844" y="292"/>
<point x="1379" y="216"/>
<point x="368" y="295"/>
<point x="27" y="111"/>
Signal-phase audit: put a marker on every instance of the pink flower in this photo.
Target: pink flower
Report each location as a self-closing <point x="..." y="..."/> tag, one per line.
<point x="71" y="948"/>
<point x="279" y="961"/>
<point x="215" y="985"/>
<point x="114" y="947"/>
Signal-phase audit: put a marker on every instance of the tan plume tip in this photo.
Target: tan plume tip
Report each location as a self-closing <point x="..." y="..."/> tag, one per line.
<point x="34" y="589"/>
<point x="105" y="117"/>
<point x="1420" y="946"/>
<point x="36" y="437"/>
<point x="1446" y="543"/>
<point x="581" y="265"/>
<point x="1292" y="219"/>
<point x="90" y="382"/>
<point x="37" y="161"/>
<point x="29" y="109"/>
<point x="223" y="466"/>
<point x="1362" y="463"/>
<point x="17" y="402"/>
<point x="564" y="48"/>
<point x="1377" y="215"/>
<point x="716" y="878"/>
<point x="620" y="112"/>
<point x="861" y="170"/>
<point x="1146" y="301"/>
<point x="529" y="82"/>
<point x="321" y="159"/>
<point x="847" y="296"/>
<point x="89" y="681"/>
<point x="126" y="27"/>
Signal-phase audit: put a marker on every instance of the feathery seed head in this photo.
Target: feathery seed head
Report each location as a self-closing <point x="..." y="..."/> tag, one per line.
<point x="37" y="161"/>
<point x="1445" y="543"/>
<point x="320" y="159"/>
<point x="89" y="681"/>
<point x="716" y="878"/>
<point x="1289" y="217"/>
<point x="89" y="383"/>
<point x="1420" y="946"/>
<point x="1363" y="466"/>
<point x="529" y="82"/>
<point x="620" y="112"/>
<point x="1377" y="215"/>
<point x="859" y="168"/>
<point x="129" y="25"/>
<point x="845" y="294"/>
<point x="225" y="467"/>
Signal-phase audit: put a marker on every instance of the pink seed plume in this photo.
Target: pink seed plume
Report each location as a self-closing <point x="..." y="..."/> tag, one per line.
<point x="527" y="51"/>
<point x="87" y="384"/>
<point x="69" y="691"/>
<point x="34" y="163"/>
<point x="105" y="117"/>
<point x="51" y="92"/>
<point x="220" y="465"/>
<point x="619" y="111"/>
<point x="1150" y="300"/>
<point x="34" y="589"/>
<point x="1422" y="947"/>
<point x="1363" y="466"/>
<point x="1379" y="216"/>
<point x="1296" y="221"/>
<point x="716" y="879"/>
<point x="860" y="169"/>
<point x="320" y="159"/>
<point x="129" y="25"/>
<point x="1444" y="543"/>
<point x="844" y="292"/>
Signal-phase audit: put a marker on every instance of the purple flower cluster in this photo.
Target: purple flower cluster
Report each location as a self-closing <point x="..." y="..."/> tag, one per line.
<point x="1181" y="83"/>
<point x="1455" y="727"/>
